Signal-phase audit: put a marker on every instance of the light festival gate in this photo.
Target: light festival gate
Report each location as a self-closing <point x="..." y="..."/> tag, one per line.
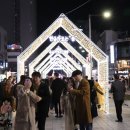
<point x="53" y="44"/>
<point x="58" y="50"/>
<point x="63" y="22"/>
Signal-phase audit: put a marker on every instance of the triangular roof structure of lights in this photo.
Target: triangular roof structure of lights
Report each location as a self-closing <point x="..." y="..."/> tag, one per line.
<point x="57" y="63"/>
<point x="76" y="65"/>
<point x="48" y="49"/>
<point x="37" y="43"/>
<point x="61" y="51"/>
<point x="63" y="22"/>
<point x="61" y="59"/>
<point x="52" y="67"/>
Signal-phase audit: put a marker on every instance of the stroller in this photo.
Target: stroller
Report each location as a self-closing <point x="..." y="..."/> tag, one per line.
<point x="5" y="115"/>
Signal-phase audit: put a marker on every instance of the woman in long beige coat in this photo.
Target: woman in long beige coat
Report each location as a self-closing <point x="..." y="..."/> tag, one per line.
<point x="25" y="115"/>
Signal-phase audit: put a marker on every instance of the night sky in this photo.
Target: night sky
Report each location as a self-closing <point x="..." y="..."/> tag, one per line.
<point x="49" y="10"/>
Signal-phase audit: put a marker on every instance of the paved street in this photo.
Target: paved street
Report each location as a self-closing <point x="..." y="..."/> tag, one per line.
<point x="102" y="122"/>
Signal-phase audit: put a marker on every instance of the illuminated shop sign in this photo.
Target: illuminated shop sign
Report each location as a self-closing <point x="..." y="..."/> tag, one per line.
<point x="61" y="38"/>
<point x="123" y="72"/>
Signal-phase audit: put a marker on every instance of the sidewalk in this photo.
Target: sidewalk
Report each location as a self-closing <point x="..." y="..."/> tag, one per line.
<point x="102" y="122"/>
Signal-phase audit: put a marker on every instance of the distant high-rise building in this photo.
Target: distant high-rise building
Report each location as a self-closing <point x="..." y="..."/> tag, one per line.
<point x="3" y="41"/>
<point x="18" y="18"/>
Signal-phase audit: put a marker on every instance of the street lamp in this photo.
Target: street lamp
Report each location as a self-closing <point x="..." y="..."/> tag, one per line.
<point x="106" y="15"/>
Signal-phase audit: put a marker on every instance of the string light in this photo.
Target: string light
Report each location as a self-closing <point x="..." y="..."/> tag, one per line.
<point x="80" y="37"/>
<point x="63" y="52"/>
<point x="57" y="63"/>
<point x="48" y="49"/>
<point x="59" y="58"/>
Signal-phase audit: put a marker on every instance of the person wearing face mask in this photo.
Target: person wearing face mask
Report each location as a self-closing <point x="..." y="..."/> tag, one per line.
<point x="25" y="115"/>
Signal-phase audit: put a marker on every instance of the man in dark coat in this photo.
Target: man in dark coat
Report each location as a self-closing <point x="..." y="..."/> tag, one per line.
<point x="93" y="96"/>
<point x="57" y="87"/>
<point x="118" y="89"/>
<point x="42" y="90"/>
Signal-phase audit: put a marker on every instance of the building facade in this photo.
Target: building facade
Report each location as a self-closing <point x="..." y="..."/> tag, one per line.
<point x="3" y="54"/>
<point x="18" y="18"/>
<point x="118" y="51"/>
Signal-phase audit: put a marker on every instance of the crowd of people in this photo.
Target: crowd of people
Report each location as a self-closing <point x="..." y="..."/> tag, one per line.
<point x="76" y="98"/>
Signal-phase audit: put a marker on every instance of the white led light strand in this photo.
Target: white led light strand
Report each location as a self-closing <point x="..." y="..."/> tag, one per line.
<point x="56" y="63"/>
<point x="80" y="37"/>
<point x="76" y="65"/>
<point x="64" y="69"/>
<point x="61" y="58"/>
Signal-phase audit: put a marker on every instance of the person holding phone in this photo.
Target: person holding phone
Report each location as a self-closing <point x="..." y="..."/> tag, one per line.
<point x="25" y="115"/>
<point x="82" y="101"/>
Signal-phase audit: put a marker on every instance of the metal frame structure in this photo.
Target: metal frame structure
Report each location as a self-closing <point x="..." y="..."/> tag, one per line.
<point x="63" y="22"/>
<point x="59" y="59"/>
<point x="56" y="62"/>
<point x="48" y="49"/>
<point x="67" y="71"/>
<point x="53" y="52"/>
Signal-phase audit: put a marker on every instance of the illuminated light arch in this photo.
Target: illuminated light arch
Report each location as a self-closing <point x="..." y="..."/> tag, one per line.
<point x="61" y="59"/>
<point x="63" y="22"/>
<point x="56" y="63"/>
<point x="66" y="64"/>
<point x="68" y="72"/>
<point x="44" y="52"/>
<point x="51" y="66"/>
<point x="39" y="57"/>
<point x="65" y="54"/>
<point x="56" y="57"/>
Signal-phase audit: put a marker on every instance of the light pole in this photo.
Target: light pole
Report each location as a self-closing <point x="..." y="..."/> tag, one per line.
<point x="89" y="20"/>
<point x="106" y="15"/>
